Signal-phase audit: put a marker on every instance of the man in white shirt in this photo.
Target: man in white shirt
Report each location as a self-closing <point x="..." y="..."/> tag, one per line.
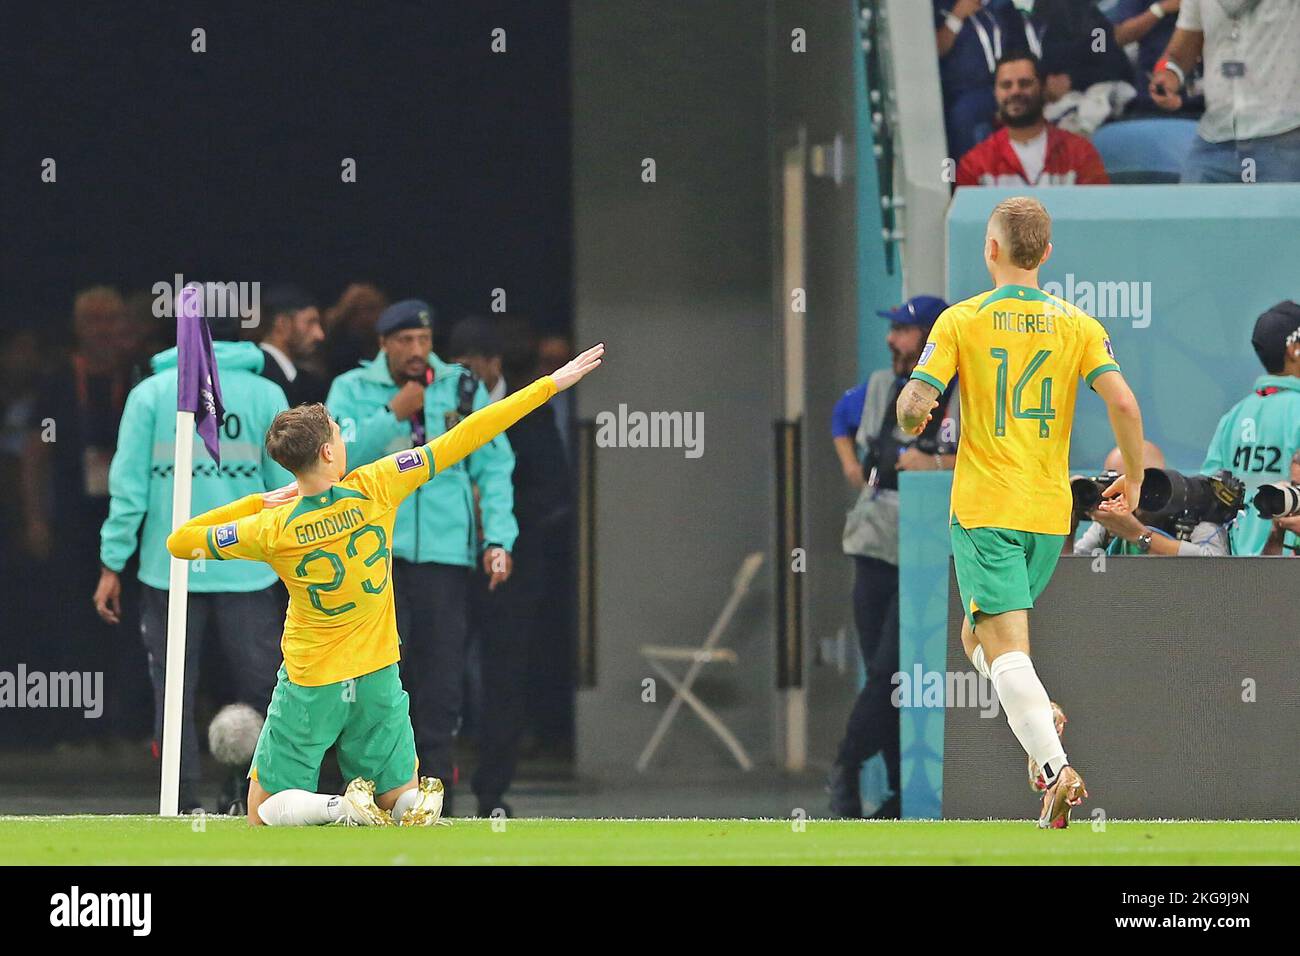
<point x="1251" y="50"/>
<point x="291" y="331"/>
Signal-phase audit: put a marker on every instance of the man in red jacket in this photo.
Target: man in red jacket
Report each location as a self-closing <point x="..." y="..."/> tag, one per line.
<point x="1028" y="150"/>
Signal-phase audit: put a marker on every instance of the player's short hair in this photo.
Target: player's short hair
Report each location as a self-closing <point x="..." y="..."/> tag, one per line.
<point x="296" y="435"/>
<point x="1027" y="228"/>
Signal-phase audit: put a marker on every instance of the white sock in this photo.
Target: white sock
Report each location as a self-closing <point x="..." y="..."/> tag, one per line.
<point x="404" y="803"/>
<point x="977" y="659"/>
<point x="300" y="808"/>
<point x="1028" y="710"/>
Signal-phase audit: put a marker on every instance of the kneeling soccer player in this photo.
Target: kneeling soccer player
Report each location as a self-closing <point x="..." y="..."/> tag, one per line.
<point x="328" y="539"/>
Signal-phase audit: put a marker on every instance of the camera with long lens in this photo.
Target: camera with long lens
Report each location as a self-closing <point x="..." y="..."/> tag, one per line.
<point x="1177" y="503"/>
<point x="1087" y="491"/>
<point x="880" y="463"/>
<point x="1281" y="499"/>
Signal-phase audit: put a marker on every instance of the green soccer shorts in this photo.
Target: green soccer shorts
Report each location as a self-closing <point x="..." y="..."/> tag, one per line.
<point x="999" y="569"/>
<point x="367" y="719"/>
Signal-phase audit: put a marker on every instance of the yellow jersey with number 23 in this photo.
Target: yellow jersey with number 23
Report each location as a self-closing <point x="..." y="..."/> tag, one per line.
<point x="332" y="549"/>
<point x="1019" y="354"/>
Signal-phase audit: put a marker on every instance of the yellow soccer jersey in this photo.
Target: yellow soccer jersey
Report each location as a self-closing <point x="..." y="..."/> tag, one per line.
<point x="1019" y="354"/>
<point x="332" y="549"/>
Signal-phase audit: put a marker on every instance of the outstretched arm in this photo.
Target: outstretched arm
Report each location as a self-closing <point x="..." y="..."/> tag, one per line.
<point x="915" y="403"/>
<point x="193" y="538"/>
<point x="392" y="478"/>
<point x="488" y="422"/>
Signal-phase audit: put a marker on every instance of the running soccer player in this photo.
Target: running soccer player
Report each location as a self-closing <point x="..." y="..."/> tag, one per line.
<point x="1020" y="353"/>
<point x="327" y="537"/>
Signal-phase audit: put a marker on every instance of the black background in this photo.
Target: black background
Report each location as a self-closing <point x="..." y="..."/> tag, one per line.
<point x="226" y="164"/>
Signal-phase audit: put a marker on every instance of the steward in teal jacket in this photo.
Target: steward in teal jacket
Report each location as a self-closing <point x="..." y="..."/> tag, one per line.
<point x="1255" y="441"/>
<point x="436" y="524"/>
<point x="140" y="476"/>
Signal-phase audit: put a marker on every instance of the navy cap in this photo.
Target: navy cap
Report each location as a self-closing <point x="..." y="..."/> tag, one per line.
<point x="918" y="310"/>
<point x="1276" y="331"/>
<point x="407" y="314"/>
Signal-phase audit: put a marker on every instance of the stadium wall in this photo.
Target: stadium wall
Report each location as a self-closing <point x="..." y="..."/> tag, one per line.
<point x="675" y="275"/>
<point x="1181" y="681"/>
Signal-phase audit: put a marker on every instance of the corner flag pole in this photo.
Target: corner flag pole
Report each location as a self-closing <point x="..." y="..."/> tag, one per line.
<point x="178" y="586"/>
<point x="198" y="408"/>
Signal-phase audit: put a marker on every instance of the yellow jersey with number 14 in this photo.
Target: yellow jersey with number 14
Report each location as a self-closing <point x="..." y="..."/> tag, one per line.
<point x="1019" y="354"/>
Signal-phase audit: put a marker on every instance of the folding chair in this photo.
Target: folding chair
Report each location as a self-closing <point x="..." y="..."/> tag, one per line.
<point x="708" y="653"/>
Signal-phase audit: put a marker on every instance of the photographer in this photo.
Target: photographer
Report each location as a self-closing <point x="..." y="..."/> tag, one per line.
<point x="1285" y="534"/>
<point x="872" y="450"/>
<point x="1116" y="530"/>
<point x="1258" y="436"/>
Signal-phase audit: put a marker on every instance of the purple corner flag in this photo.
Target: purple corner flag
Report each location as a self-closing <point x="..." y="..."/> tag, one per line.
<point x="198" y="389"/>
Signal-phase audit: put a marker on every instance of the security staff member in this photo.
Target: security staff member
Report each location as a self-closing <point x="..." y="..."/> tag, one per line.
<point x="241" y="599"/>
<point x="402" y="398"/>
<point x="1257" y="437"/>
<point x="872" y="450"/>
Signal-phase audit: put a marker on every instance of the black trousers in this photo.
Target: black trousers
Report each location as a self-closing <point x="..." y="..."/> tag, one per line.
<point x="506" y="625"/>
<point x="247" y="624"/>
<point x="873" y="722"/>
<point x="433" y="621"/>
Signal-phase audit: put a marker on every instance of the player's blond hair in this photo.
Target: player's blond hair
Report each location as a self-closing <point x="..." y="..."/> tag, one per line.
<point x="296" y="435"/>
<point x="1026" y="227"/>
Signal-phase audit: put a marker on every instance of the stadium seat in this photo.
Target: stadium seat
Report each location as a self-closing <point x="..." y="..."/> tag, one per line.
<point x="657" y="657"/>
<point x="1145" y="150"/>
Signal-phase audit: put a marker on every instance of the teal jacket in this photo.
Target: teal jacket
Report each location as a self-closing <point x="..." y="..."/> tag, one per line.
<point x="140" y="477"/>
<point x="1255" y="441"/>
<point x="436" y="524"/>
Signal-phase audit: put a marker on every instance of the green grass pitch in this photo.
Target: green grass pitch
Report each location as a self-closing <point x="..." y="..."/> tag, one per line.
<point x="85" y="840"/>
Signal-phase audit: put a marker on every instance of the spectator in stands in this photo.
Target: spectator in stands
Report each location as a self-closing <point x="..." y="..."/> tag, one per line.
<point x="350" y="328"/>
<point x="972" y="36"/>
<point x="1257" y="438"/>
<point x="507" y="619"/>
<point x="241" y="600"/>
<point x="1027" y="150"/>
<point x="403" y="398"/>
<point x="1251" y="50"/>
<point x="1120" y="532"/>
<point x="1149" y="27"/>
<point x="290" y="330"/>
<point x="1087" y="78"/>
<point x="872" y="450"/>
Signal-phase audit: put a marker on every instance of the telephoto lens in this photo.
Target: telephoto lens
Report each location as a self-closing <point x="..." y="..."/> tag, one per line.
<point x="1281" y="499"/>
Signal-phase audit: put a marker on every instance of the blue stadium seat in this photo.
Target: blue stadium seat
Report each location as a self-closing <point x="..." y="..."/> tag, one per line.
<point x="1145" y="150"/>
